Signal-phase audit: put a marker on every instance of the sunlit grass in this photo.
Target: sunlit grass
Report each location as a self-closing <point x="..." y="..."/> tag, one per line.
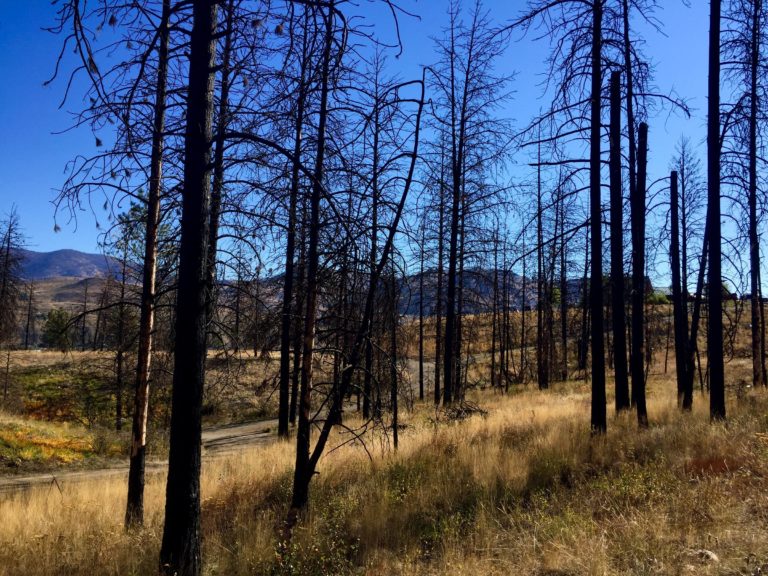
<point x="524" y="490"/>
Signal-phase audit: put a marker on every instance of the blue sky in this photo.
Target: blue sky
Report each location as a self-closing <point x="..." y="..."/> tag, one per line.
<point x="33" y="157"/>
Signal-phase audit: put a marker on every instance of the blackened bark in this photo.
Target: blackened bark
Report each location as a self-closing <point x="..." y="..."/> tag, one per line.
<point x="617" y="251"/>
<point x="678" y="302"/>
<point x="180" y="550"/>
<point x="637" y="205"/>
<point x="715" y="292"/>
<point x="758" y="373"/>
<point x="598" y="419"/>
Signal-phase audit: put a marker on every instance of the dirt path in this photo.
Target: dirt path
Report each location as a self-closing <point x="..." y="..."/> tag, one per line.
<point x="217" y="441"/>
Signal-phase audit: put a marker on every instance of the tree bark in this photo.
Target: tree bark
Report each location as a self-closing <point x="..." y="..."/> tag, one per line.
<point x="678" y="303"/>
<point x="758" y="373"/>
<point x="134" y="513"/>
<point x="715" y="292"/>
<point x="637" y="205"/>
<point x="598" y="418"/>
<point x="617" y="252"/>
<point x="180" y="550"/>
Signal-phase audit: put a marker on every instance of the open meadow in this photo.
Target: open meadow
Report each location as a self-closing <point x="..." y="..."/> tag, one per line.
<point x="521" y="488"/>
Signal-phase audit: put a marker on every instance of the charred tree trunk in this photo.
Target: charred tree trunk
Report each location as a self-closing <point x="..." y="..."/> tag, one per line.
<point x="598" y="419"/>
<point x="678" y="303"/>
<point x="617" y="252"/>
<point x="758" y="371"/>
<point x="637" y="205"/>
<point x="715" y="292"/>
<point x="180" y="550"/>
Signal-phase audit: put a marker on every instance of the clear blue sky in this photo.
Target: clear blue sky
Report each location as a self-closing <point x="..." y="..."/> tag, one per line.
<point x="33" y="158"/>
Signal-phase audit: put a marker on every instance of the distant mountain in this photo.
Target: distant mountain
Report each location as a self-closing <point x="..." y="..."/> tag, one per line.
<point x="69" y="263"/>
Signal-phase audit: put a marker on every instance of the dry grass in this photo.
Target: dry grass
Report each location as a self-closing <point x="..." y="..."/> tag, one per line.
<point x="525" y="490"/>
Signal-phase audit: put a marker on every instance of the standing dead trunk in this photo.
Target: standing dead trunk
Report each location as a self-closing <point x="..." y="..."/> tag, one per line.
<point x="598" y="419"/>
<point x="617" y="251"/>
<point x="637" y="205"/>
<point x="678" y="302"/>
<point x="181" y="545"/>
<point x="134" y="513"/>
<point x="758" y="370"/>
<point x="714" y="292"/>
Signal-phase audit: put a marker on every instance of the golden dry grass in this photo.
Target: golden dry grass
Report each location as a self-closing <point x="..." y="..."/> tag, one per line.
<point x="525" y="490"/>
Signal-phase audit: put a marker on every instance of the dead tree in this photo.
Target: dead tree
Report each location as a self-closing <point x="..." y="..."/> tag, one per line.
<point x="680" y="312"/>
<point x="715" y="293"/>
<point x="617" y="251"/>
<point x="180" y="550"/>
<point x="637" y="207"/>
<point x="134" y="514"/>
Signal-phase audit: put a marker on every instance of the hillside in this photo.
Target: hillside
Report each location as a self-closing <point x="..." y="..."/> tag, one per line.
<point x="65" y="263"/>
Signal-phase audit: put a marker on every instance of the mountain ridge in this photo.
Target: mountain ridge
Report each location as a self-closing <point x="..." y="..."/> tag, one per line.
<point x="66" y="262"/>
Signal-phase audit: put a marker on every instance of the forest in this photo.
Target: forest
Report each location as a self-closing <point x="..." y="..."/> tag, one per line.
<point x="358" y="318"/>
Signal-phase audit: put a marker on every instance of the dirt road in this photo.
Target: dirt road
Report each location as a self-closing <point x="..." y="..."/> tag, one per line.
<point x="217" y="441"/>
